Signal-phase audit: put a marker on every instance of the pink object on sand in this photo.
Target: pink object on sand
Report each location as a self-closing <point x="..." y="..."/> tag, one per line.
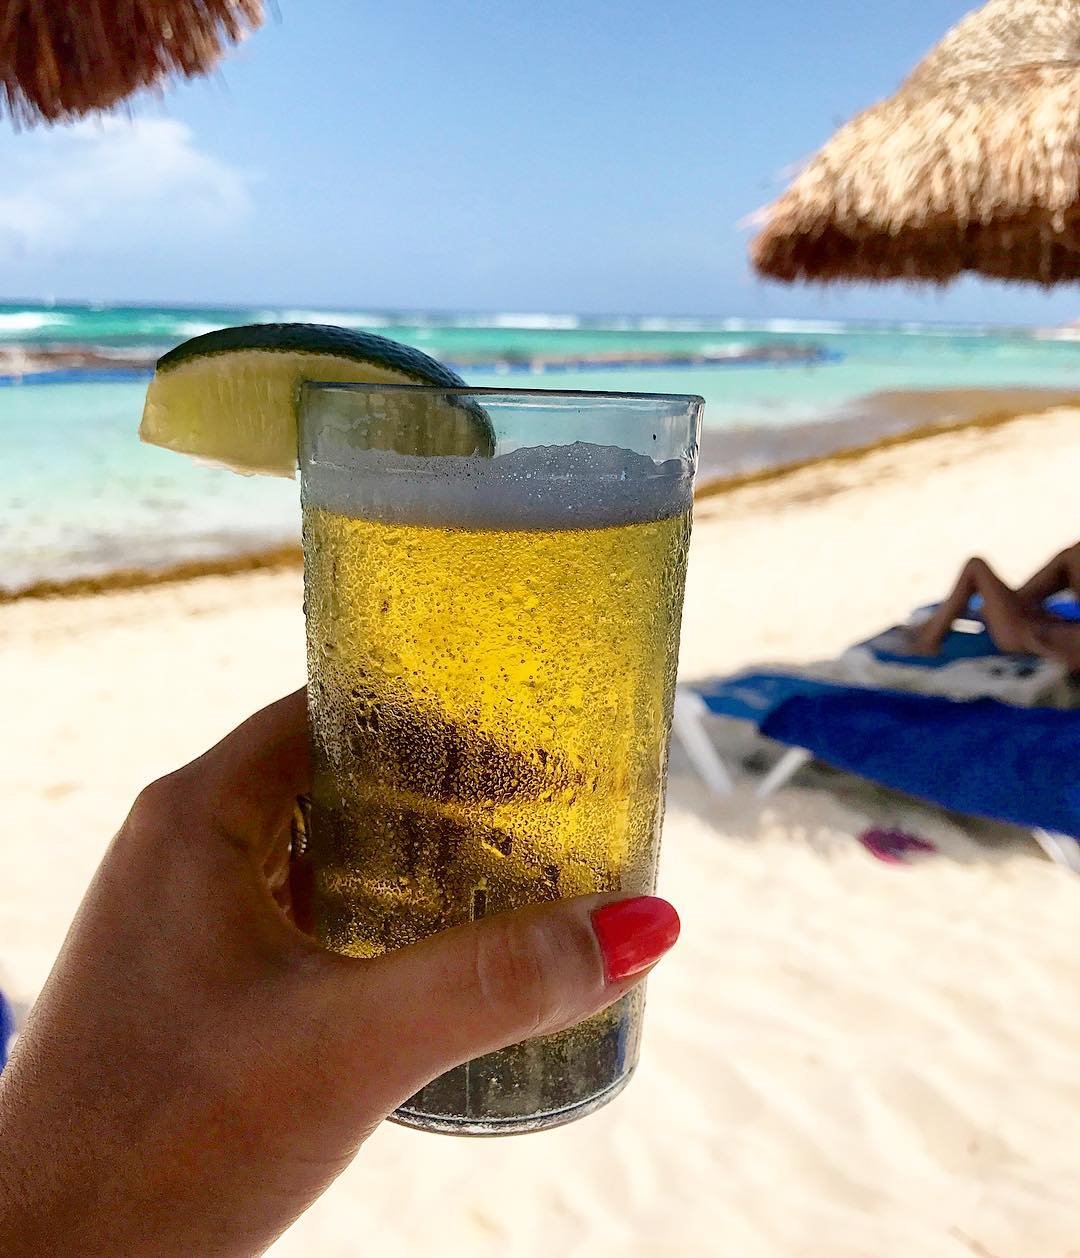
<point x="894" y="846"/>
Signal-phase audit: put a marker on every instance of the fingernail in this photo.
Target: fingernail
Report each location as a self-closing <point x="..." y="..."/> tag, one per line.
<point x="633" y="934"/>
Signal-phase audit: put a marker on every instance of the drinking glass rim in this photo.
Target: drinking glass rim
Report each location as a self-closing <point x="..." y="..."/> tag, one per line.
<point x="692" y="399"/>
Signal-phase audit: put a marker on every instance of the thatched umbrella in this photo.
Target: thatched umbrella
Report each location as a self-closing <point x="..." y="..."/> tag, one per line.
<point x="973" y="165"/>
<point x="60" y="59"/>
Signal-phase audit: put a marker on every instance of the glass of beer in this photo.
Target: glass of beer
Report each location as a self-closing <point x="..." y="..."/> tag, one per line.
<point x="493" y="593"/>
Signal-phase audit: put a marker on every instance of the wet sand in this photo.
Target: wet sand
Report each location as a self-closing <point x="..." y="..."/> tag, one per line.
<point x="876" y="420"/>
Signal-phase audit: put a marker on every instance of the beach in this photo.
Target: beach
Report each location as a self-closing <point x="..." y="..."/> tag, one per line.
<point x="843" y="1058"/>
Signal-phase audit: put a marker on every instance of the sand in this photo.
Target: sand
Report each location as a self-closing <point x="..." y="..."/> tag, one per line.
<point x="843" y="1059"/>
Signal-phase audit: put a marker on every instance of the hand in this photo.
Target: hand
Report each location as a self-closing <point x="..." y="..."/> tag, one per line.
<point x="197" y="1070"/>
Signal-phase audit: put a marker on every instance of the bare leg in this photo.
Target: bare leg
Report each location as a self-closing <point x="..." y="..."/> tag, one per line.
<point x="928" y="637"/>
<point x="1008" y="618"/>
<point x="1054" y="638"/>
<point x="1071" y="562"/>
<point x="1061" y="573"/>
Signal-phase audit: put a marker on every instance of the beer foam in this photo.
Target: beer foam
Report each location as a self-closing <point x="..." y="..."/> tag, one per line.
<point x="537" y="487"/>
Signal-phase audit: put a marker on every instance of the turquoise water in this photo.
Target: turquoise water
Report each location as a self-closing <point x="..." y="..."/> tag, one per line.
<point x="80" y="495"/>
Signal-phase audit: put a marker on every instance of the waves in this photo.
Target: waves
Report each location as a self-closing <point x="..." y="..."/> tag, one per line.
<point x="339" y="318"/>
<point x="29" y="323"/>
<point x="20" y="324"/>
<point x="790" y="371"/>
<point x="196" y="327"/>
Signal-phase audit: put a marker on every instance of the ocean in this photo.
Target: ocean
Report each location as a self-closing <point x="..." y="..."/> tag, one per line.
<point x="81" y="497"/>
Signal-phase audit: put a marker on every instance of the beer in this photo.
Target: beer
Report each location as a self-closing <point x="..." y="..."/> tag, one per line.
<point x="491" y="675"/>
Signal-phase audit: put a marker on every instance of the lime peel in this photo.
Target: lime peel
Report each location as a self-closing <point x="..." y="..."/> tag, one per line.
<point x="231" y="397"/>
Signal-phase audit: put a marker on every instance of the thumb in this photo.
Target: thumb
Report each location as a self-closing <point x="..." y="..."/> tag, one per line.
<point x="508" y="978"/>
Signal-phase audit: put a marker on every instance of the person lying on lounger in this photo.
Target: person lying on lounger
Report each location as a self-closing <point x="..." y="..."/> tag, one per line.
<point x="1015" y="619"/>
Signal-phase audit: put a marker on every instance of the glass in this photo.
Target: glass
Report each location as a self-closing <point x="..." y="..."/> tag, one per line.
<point x="493" y="592"/>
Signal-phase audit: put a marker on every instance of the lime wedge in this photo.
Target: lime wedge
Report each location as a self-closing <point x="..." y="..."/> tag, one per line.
<point x="232" y="397"/>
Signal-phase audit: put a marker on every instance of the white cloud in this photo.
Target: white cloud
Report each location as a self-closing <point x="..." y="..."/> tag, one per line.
<point x="112" y="185"/>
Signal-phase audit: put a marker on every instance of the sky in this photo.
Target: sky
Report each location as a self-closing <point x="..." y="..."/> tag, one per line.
<point x="575" y="155"/>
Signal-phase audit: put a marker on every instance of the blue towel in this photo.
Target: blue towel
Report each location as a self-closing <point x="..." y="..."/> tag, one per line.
<point x="7" y="1029"/>
<point x="755" y="696"/>
<point x="955" y="647"/>
<point x="1064" y="606"/>
<point x="985" y="758"/>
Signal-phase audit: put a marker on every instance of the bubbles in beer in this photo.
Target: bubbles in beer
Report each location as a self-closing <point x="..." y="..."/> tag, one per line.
<point x="490" y="701"/>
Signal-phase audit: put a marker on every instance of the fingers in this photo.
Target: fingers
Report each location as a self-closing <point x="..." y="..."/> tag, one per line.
<point x="249" y="781"/>
<point x="508" y="978"/>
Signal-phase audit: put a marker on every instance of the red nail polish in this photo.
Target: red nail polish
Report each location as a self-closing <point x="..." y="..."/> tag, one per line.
<point x="633" y="934"/>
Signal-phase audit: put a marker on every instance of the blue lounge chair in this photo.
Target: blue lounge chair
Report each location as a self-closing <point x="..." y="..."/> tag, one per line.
<point x="967" y="665"/>
<point x="7" y="1029"/>
<point x="980" y="757"/>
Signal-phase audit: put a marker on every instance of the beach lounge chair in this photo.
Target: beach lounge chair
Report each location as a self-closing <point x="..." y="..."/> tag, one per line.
<point x="981" y="757"/>
<point x="967" y="666"/>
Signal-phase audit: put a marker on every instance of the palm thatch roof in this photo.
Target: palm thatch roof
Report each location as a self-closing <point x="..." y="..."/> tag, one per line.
<point x="973" y="165"/>
<point x="61" y="59"/>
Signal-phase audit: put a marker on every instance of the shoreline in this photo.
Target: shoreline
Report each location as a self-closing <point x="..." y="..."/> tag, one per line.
<point x="831" y="444"/>
<point x="832" y="448"/>
<point x="122" y="580"/>
<point x="738" y="456"/>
